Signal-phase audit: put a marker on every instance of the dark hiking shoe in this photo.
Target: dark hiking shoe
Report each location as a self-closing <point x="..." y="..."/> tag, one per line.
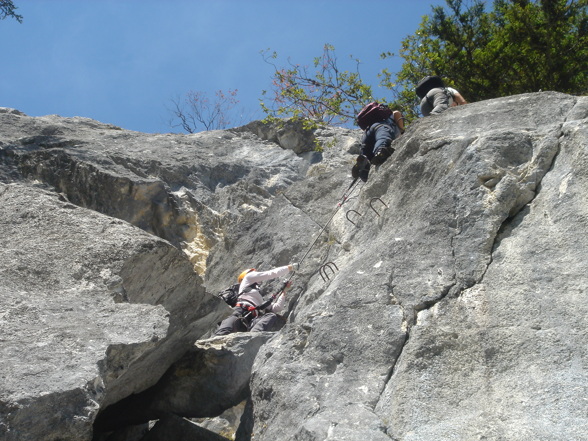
<point x="361" y="168"/>
<point x="381" y="155"/>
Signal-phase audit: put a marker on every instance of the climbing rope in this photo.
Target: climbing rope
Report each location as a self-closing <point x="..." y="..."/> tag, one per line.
<point x="344" y="199"/>
<point x="286" y="284"/>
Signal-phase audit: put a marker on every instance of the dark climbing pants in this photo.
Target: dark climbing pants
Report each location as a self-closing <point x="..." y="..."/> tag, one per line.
<point x="233" y="323"/>
<point x="264" y="322"/>
<point x="378" y="136"/>
<point x="238" y="321"/>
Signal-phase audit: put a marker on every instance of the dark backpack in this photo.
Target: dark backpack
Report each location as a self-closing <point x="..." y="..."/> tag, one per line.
<point x="427" y="84"/>
<point x="231" y="294"/>
<point x="372" y="113"/>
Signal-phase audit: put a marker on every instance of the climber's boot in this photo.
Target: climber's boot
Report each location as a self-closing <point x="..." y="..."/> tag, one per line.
<point x="361" y="168"/>
<point x="381" y="155"/>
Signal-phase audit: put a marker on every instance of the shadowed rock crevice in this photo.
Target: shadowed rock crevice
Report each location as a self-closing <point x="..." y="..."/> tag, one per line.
<point x="208" y="379"/>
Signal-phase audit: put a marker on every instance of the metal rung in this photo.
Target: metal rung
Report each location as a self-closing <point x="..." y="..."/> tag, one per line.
<point x="352" y="211"/>
<point x="323" y="270"/>
<point x="376" y="199"/>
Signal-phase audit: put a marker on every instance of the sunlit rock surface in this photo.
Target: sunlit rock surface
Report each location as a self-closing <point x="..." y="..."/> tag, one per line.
<point x="445" y="300"/>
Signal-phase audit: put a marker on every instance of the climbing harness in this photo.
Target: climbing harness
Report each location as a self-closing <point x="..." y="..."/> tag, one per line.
<point x="254" y="311"/>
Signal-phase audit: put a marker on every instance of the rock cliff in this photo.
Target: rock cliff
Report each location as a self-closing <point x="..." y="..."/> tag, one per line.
<point x="444" y="300"/>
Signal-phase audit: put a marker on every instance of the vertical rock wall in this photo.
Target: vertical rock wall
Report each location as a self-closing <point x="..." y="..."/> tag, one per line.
<point x="456" y="312"/>
<point x="443" y="301"/>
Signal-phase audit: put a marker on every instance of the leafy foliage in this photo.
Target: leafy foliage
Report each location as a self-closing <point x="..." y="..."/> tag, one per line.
<point x="7" y="9"/>
<point x="323" y="94"/>
<point x="484" y="51"/>
<point x="519" y="46"/>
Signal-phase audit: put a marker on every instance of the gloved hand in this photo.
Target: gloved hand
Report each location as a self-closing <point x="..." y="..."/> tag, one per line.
<point x="294" y="266"/>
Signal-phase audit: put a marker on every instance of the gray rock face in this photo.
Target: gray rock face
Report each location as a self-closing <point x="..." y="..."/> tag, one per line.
<point x="507" y="353"/>
<point x="450" y="316"/>
<point x="96" y="311"/>
<point x="178" y="429"/>
<point x="78" y="330"/>
<point x="182" y="188"/>
<point x="443" y="301"/>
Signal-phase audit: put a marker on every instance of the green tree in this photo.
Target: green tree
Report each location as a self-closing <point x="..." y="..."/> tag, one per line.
<point x="519" y="46"/>
<point x="321" y="94"/>
<point x="485" y="51"/>
<point x="551" y="50"/>
<point x="7" y="9"/>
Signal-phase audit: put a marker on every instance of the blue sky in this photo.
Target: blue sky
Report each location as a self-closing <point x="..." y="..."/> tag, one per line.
<point x="122" y="61"/>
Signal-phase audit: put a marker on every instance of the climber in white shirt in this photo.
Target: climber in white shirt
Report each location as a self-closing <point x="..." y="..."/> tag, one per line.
<point x="250" y="312"/>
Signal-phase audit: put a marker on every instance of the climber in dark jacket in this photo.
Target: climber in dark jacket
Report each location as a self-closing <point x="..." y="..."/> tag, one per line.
<point x="376" y="144"/>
